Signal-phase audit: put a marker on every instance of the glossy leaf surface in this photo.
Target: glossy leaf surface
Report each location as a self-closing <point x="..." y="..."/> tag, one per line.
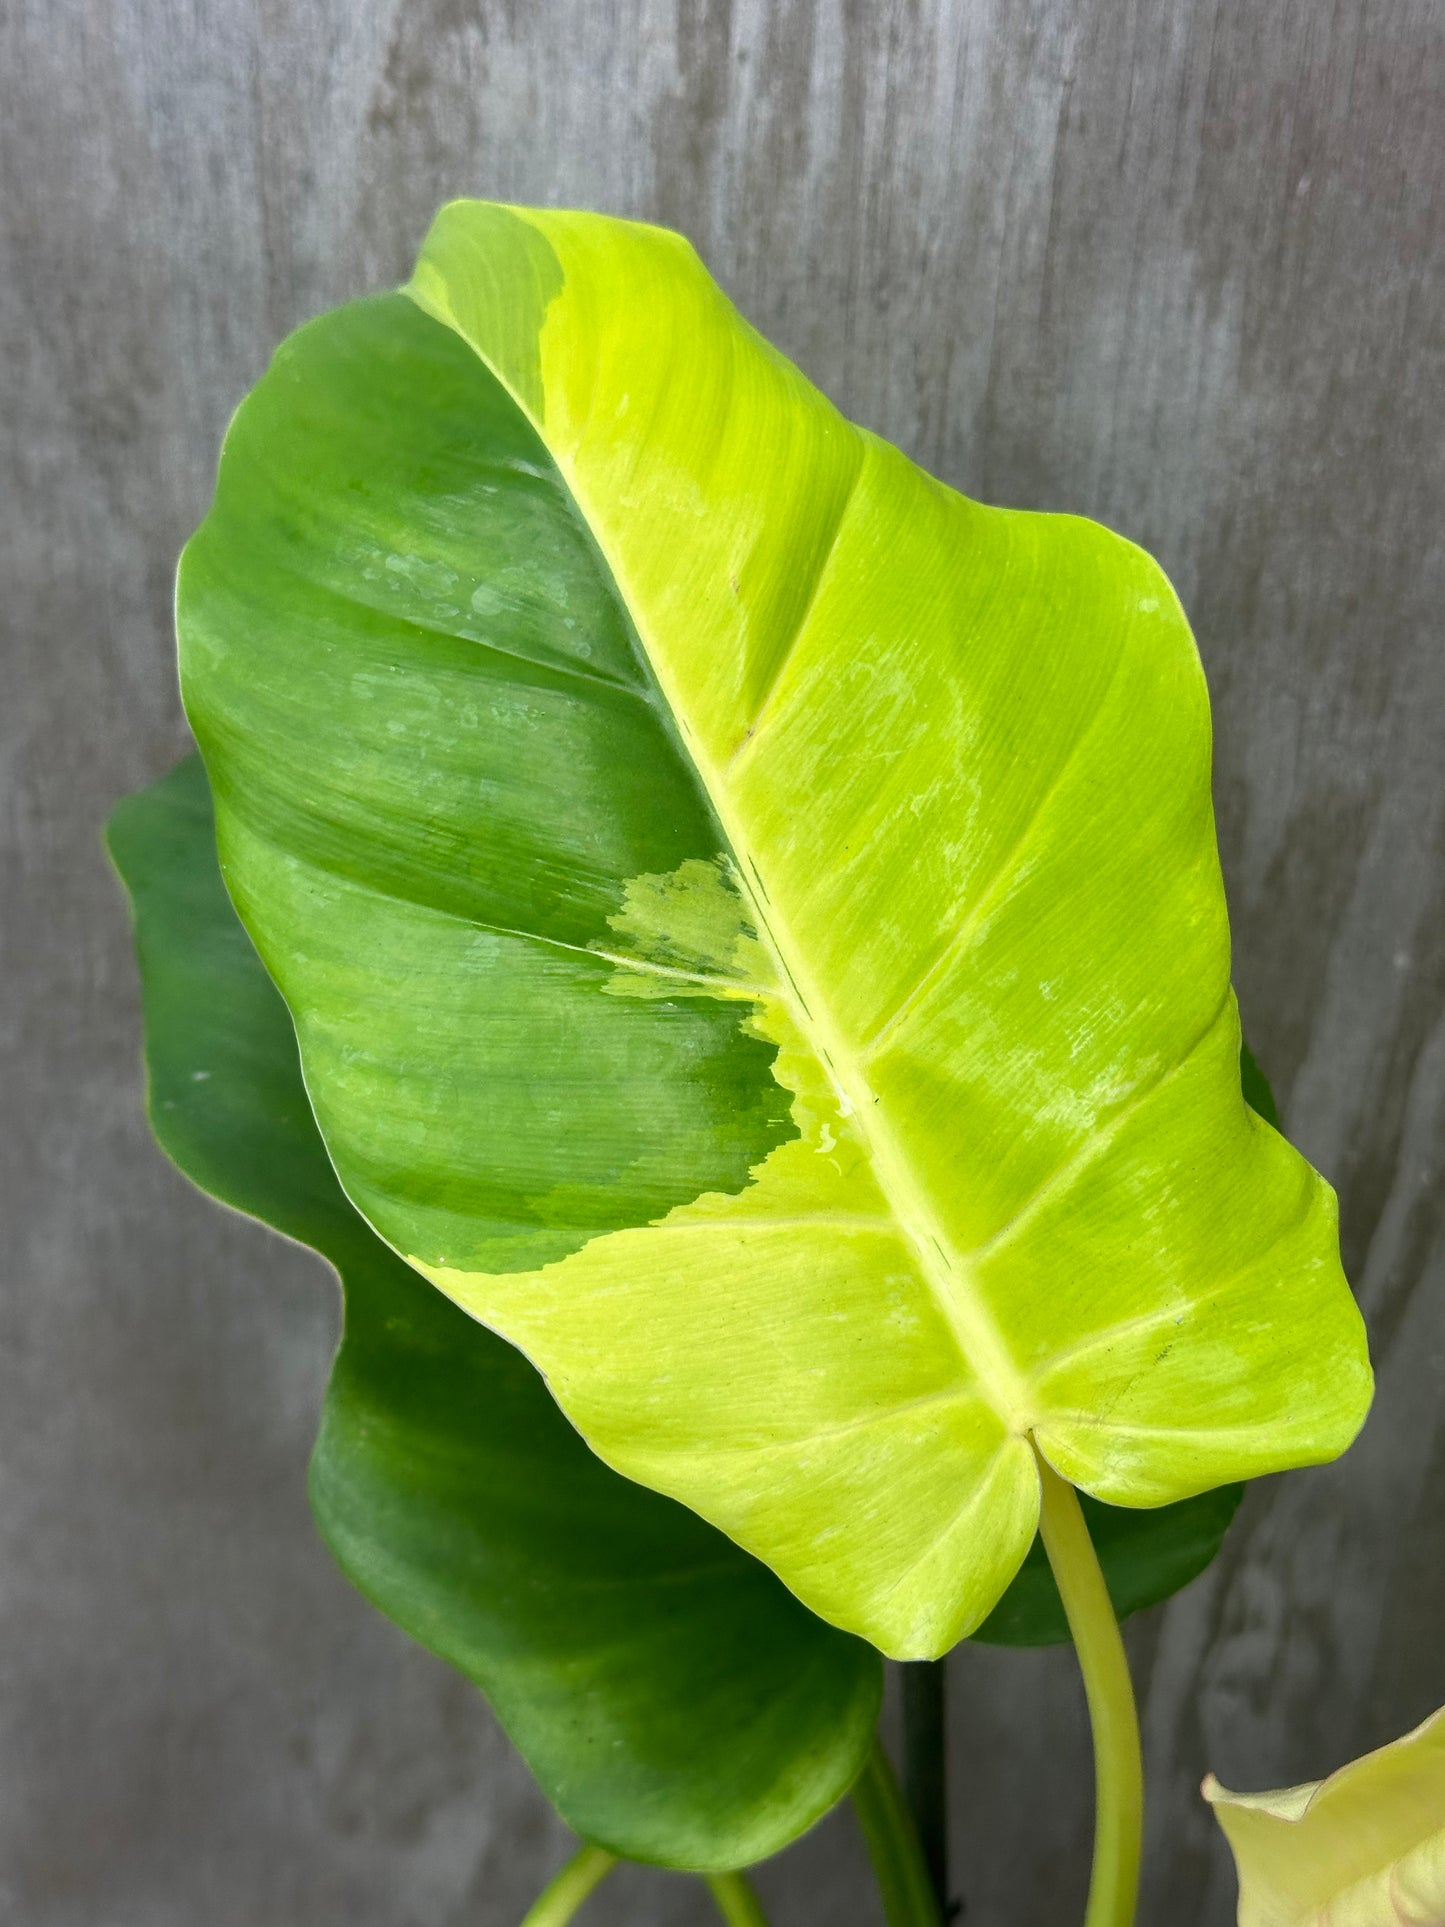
<point x="1364" y="1848"/>
<point x="753" y="923"/>
<point x="674" y="1701"/>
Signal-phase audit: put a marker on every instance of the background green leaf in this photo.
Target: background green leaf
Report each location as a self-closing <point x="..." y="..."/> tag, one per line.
<point x="1257" y="1093"/>
<point x="675" y="1702"/>
<point x="405" y="1477"/>
<point x="1146" y="1557"/>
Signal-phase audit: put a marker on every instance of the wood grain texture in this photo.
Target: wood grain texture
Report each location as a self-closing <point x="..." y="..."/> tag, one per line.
<point x="1175" y="267"/>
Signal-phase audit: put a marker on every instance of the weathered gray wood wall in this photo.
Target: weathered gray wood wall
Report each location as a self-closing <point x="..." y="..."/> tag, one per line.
<point x="1169" y="265"/>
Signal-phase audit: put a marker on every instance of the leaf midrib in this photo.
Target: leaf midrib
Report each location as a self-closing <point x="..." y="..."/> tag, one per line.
<point x="944" y="1269"/>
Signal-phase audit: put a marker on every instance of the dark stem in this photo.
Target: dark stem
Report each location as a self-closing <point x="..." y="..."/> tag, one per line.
<point x="925" y="1769"/>
<point x="903" y="1883"/>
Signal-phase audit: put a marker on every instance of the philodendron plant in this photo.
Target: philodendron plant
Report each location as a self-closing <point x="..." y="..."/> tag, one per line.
<point x="720" y="941"/>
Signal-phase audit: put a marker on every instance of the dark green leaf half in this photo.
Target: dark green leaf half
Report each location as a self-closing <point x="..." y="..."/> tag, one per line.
<point x="675" y="1702"/>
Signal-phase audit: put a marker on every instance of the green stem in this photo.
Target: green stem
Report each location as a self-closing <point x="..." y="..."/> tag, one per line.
<point x="1118" y="1769"/>
<point x="925" y="1772"/>
<point x="736" y="1901"/>
<point x="898" y="1863"/>
<point x="564" y="1894"/>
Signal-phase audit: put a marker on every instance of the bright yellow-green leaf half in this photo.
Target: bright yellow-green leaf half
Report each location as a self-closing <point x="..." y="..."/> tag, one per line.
<point x="1365" y="1848"/>
<point x="753" y="922"/>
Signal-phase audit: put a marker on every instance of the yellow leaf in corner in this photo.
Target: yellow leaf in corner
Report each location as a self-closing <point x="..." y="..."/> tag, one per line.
<point x="1364" y="1848"/>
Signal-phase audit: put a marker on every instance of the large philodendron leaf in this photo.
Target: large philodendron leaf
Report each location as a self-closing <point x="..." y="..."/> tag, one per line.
<point x="1365" y="1848"/>
<point x="753" y="923"/>
<point x="674" y="1701"/>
